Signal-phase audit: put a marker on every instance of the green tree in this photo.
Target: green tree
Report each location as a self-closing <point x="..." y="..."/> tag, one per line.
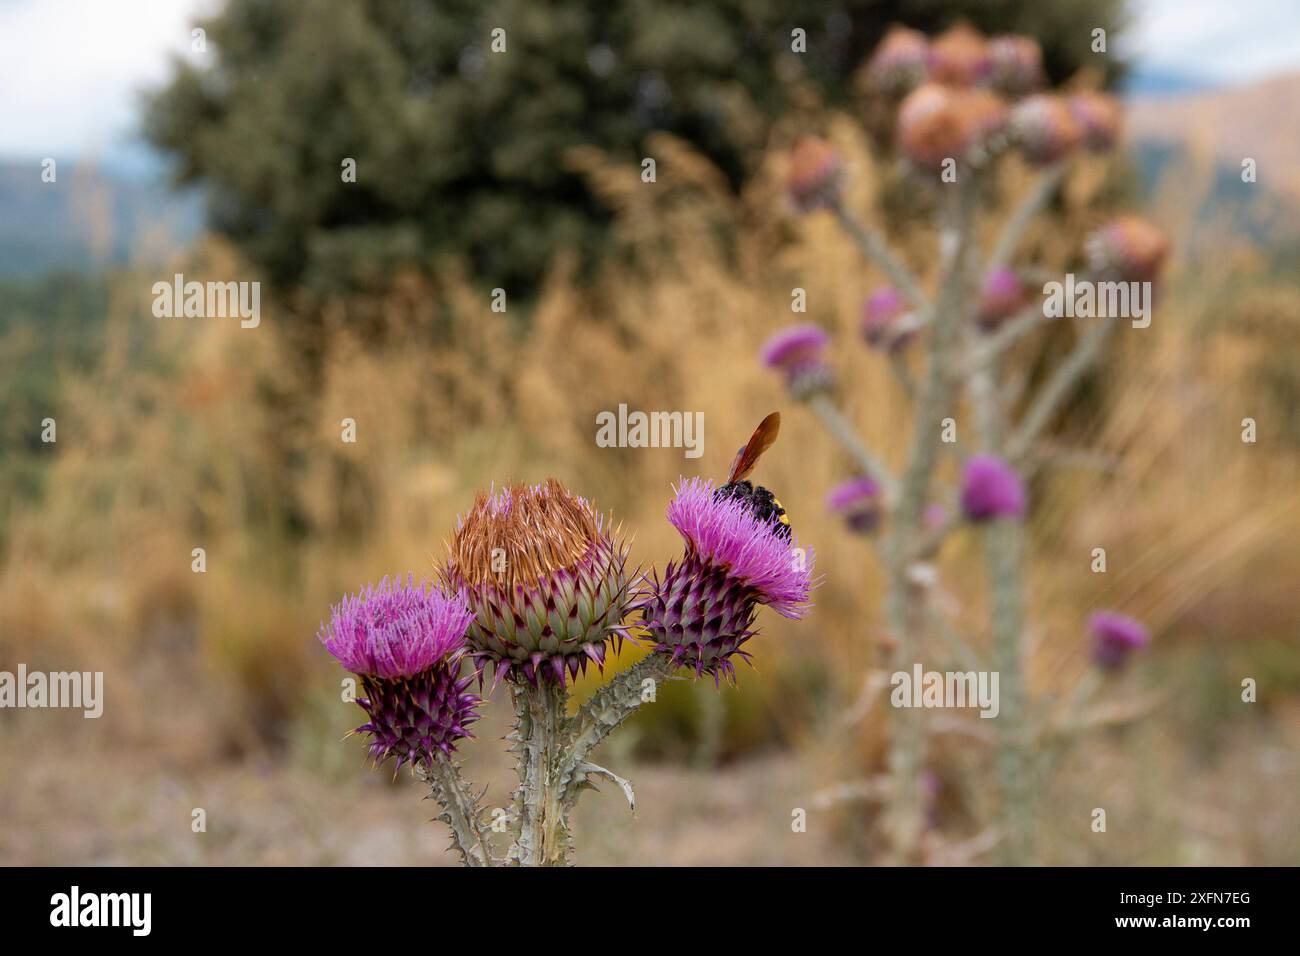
<point x="460" y="149"/>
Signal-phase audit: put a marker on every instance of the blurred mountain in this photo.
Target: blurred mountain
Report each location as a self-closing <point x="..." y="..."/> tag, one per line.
<point x="1182" y="140"/>
<point x="91" y="217"/>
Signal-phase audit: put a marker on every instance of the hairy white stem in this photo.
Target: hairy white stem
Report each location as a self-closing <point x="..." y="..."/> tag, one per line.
<point x="1014" y="231"/>
<point x="874" y="250"/>
<point x="904" y="605"/>
<point x="1058" y="388"/>
<point x="844" y="433"/>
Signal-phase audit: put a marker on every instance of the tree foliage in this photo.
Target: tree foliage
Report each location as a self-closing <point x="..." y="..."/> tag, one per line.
<point x="461" y="149"/>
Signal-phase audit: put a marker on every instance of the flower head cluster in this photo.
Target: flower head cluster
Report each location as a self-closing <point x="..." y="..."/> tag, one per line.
<point x="797" y="352"/>
<point x="702" y="611"/>
<point x="1115" y="638"/>
<point x="545" y="578"/>
<point x="956" y="106"/>
<point x="405" y="643"/>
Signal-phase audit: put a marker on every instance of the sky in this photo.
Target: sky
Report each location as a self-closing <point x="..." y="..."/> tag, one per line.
<point x="70" y="70"/>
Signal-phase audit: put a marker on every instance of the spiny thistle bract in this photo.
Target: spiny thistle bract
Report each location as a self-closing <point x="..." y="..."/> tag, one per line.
<point x="1002" y="294"/>
<point x="702" y="611"/>
<point x="815" y="174"/>
<point x="1127" y="248"/>
<point x="405" y="642"/>
<point x="546" y="579"/>
<point x="883" y="316"/>
<point x="1045" y="128"/>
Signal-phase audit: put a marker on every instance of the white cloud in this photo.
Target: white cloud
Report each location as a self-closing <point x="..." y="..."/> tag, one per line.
<point x="70" y="70"/>
<point x="1227" y="41"/>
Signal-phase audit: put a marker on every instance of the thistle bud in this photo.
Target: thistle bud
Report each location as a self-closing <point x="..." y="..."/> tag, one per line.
<point x="1127" y="248"/>
<point x="1100" y="117"/>
<point x="959" y="56"/>
<point x="797" y="353"/>
<point x="857" y="502"/>
<point x="1116" y="637"/>
<point x="1015" y="64"/>
<point x="899" y="61"/>
<point x="546" y="579"/>
<point x="991" y="489"/>
<point x="1002" y="295"/>
<point x="814" y="175"/>
<point x="883" y="315"/>
<point x="1045" y="128"/>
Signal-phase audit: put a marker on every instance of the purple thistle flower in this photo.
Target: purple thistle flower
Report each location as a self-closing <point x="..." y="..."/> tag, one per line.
<point x="857" y="501"/>
<point x="703" y="609"/>
<point x="1115" y="638"/>
<point x="405" y="642"/>
<point x="395" y="630"/>
<point x="882" y="314"/>
<point x="797" y="352"/>
<point x="991" y="489"/>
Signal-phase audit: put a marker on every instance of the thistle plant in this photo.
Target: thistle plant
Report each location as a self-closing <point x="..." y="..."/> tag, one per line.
<point x="963" y="103"/>
<point x="536" y="589"/>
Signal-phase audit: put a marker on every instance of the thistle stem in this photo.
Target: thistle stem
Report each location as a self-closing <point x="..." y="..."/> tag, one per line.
<point x="1003" y="543"/>
<point x="874" y="250"/>
<point x="844" y="433"/>
<point x="905" y="604"/>
<point x="541" y="825"/>
<point x="461" y="810"/>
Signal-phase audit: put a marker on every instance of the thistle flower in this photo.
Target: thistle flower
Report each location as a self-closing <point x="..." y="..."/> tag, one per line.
<point x="1015" y="64"/>
<point x="882" y="318"/>
<point x="899" y="60"/>
<point x="546" y="580"/>
<point x="814" y="175"/>
<point x="1115" y="638"/>
<point x="959" y="56"/>
<point x="938" y="122"/>
<point x="1045" y="128"/>
<point x="737" y="557"/>
<point x="1101" y="118"/>
<point x="797" y="352"/>
<point x="1001" y="296"/>
<point x="857" y="501"/>
<point x="1127" y="248"/>
<point x="405" y="642"/>
<point x="991" y="489"/>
